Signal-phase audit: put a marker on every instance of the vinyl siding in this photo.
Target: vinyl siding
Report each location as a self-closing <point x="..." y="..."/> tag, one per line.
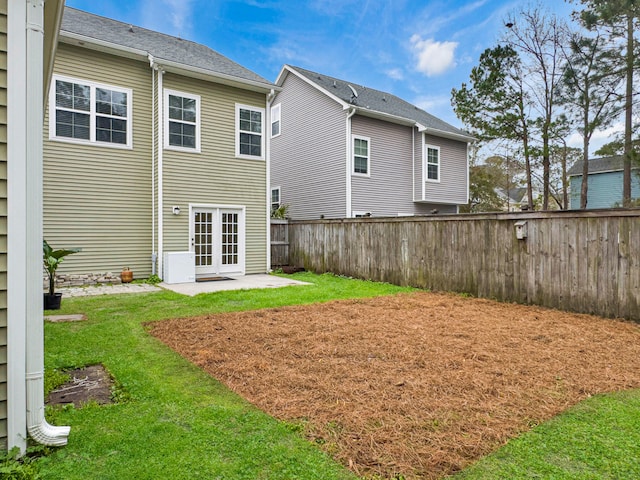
<point x="3" y="224"/>
<point x="387" y="190"/>
<point x="452" y="188"/>
<point x="215" y="175"/>
<point x="605" y="189"/>
<point x="308" y="158"/>
<point x="96" y="197"/>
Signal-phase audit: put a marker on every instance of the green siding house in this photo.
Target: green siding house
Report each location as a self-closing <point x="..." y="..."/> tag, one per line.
<point x="605" y="183"/>
<point x="153" y="145"/>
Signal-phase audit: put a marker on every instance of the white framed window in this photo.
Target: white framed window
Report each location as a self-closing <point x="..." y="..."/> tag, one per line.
<point x="432" y="163"/>
<point x="275" y="120"/>
<point x="275" y="199"/>
<point x="361" y="156"/>
<point x="82" y="111"/>
<point x="249" y="132"/>
<point x="181" y="121"/>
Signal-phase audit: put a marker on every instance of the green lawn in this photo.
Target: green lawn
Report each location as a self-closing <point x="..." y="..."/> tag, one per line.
<point x="175" y="422"/>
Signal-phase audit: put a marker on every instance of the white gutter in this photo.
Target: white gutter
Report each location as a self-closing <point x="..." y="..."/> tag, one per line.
<point x="413" y="163"/>
<point x="37" y="426"/>
<point x="441" y="133"/>
<point x="153" y="168"/>
<point x="351" y="113"/>
<point x="267" y="129"/>
<point x="423" y="165"/>
<point x="160" y="112"/>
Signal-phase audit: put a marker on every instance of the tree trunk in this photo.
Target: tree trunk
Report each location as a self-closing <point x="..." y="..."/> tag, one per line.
<point x="628" y="110"/>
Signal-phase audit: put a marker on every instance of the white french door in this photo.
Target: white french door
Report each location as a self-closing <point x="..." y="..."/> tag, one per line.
<point x="217" y="239"/>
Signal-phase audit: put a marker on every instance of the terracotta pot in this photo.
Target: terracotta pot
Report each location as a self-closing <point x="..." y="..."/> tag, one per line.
<point x="126" y="276"/>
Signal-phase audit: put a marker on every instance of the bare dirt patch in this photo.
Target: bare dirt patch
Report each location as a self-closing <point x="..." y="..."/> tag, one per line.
<point x="86" y="384"/>
<point x="416" y="384"/>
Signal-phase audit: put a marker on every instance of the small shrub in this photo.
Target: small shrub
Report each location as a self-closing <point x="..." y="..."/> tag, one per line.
<point x="15" y="467"/>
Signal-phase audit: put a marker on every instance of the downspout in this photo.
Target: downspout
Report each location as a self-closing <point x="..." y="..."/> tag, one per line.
<point x="270" y="97"/>
<point x="351" y="113"/>
<point x="153" y="166"/>
<point x="413" y="164"/>
<point x="423" y="165"/>
<point x="160" y="172"/>
<point x="37" y="426"/>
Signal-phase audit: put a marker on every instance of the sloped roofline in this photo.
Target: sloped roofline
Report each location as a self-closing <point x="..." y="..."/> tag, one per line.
<point x="104" y="46"/>
<point x="368" y="112"/>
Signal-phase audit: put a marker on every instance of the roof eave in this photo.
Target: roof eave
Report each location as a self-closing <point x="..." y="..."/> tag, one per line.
<point x="168" y="65"/>
<point x="451" y="135"/>
<point x="367" y="112"/>
<point x="286" y="69"/>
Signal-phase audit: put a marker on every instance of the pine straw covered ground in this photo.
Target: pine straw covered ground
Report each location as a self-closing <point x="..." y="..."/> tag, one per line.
<point x="415" y="384"/>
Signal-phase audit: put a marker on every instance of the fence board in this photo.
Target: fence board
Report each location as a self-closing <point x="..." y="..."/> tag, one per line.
<point x="578" y="261"/>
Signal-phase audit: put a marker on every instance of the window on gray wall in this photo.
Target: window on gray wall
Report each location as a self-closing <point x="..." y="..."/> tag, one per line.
<point x="361" y="155"/>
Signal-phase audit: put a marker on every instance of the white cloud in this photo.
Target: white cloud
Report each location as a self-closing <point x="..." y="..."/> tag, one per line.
<point x="395" y="74"/>
<point x="433" y="58"/>
<point x="173" y="17"/>
<point x="598" y="139"/>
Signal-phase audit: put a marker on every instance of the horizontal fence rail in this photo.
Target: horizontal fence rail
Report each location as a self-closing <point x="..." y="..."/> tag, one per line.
<point x="586" y="261"/>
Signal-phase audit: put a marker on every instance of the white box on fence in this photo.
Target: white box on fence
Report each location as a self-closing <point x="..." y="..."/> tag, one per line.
<point x="179" y="267"/>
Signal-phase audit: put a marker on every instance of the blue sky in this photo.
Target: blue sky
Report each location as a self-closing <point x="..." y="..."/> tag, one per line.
<point x="418" y="50"/>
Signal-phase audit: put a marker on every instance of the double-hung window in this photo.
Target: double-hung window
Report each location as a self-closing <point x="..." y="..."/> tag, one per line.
<point x="249" y="136"/>
<point x="275" y="199"/>
<point x="275" y="120"/>
<point x="182" y="121"/>
<point x="361" y="155"/>
<point x="432" y="163"/>
<point x="88" y="112"/>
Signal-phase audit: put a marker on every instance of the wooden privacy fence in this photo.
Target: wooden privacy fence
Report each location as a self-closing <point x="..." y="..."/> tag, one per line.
<point x="279" y="242"/>
<point x="586" y="261"/>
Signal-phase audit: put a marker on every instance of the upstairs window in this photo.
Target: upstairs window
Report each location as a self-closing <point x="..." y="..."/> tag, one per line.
<point x="361" y="156"/>
<point x="87" y="112"/>
<point x="182" y="121"/>
<point x="249" y="137"/>
<point x="432" y="160"/>
<point x="275" y="120"/>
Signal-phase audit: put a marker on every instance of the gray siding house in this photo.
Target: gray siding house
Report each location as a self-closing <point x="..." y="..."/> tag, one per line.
<point x="154" y="151"/>
<point x="343" y="150"/>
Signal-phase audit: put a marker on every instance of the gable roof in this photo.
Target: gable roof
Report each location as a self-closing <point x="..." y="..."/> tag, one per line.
<point x="107" y="34"/>
<point x="516" y="194"/>
<point x="598" y="165"/>
<point x="370" y="102"/>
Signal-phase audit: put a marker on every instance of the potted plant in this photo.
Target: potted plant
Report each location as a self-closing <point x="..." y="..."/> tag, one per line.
<point x="52" y="260"/>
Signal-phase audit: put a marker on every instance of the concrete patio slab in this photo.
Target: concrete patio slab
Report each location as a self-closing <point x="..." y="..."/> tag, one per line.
<point x="243" y="282"/>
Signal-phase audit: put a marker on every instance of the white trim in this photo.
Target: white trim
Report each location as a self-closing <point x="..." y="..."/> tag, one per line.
<point x="269" y="98"/>
<point x="92" y="113"/>
<point x="262" y="134"/>
<point x="353" y="156"/>
<point x="167" y="120"/>
<point x="286" y="68"/>
<point x="348" y="143"/>
<point x="425" y="156"/>
<point x="242" y="232"/>
<point x="276" y="115"/>
<point x="160" y="258"/>
<point x="17" y="223"/>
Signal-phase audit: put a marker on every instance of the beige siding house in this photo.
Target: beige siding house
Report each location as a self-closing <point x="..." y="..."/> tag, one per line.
<point x="154" y="151"/>
<point x="344" y="150"/>
<point x="28" y="32"/>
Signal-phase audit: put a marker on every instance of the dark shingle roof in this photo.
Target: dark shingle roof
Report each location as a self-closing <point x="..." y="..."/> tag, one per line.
<point x="159" y="45"/>
<point x="377" y="101"/>
<point x="604" y="164"/>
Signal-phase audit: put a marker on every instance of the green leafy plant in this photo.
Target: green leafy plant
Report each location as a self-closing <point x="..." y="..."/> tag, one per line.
<point x="52" y="260"/>
<point x="16" y="467"/>
<point x="280" y="212"/>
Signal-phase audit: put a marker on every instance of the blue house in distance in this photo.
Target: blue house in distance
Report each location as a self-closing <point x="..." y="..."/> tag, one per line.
<point x="605" y="183"/>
